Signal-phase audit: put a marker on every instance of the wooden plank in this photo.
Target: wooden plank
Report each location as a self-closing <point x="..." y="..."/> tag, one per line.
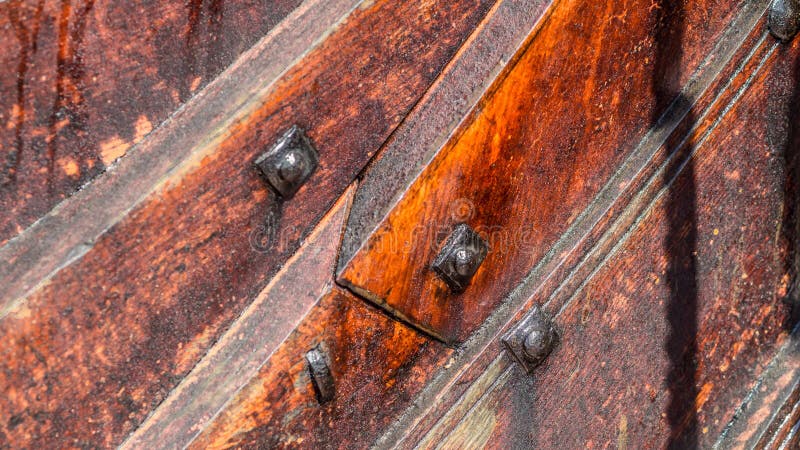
<point x="770" y="411"/>
<point x="85" y="81"/>
<point x="729" y="67"/>
<point x="668" y="336"/>
<point x="70" y="229"/>
<point x="594" y="92"/>
<point x="489" y="52"/>
<point x="378" y="365"/>
<point x="150" y="296"/>
<point x="250" y="341"/>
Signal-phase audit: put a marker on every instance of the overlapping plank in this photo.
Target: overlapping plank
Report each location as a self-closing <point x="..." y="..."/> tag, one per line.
<point x="535" y="155"/>
<point x="670" y="333"/>
<point x="378" y="366"/>
<point x="140" y="307"/>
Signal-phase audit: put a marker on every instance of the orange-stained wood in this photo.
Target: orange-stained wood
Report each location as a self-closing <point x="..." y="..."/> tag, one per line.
<point x="671" y="332"/>
<point x="535" y="155"/>
<point x="83" y="81"/>
<point x="157" y="289"/>
<point x="378" y="366"/>
<point x="250" y="341"/>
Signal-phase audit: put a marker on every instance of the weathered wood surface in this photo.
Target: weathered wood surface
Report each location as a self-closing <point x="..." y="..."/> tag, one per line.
<point x="70" y="229"/>
<point x="84" y="81"/>
<point x="596" y="232"/>
<point x="770" y="414"/>
<point x="378" y="366"/>
<point x="671" y="332"/>
<point x="594" y="92"/>
<point x="141" y="306"/>
<point x="250" y="341"/>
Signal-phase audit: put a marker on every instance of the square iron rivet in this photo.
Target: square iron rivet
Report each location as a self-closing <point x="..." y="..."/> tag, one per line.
<point x="459" y="259"/>
<point x="532" y="339"/>
<point x="289" y="163"/>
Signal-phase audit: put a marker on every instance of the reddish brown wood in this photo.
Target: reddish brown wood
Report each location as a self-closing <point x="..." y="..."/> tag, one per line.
<point x="574" y="258"/>
<point x="250" y="341"/>
<point x="150" y="296"/>
<point x="69" y="230"/>
<point x="523" y="182"/>
<point x="84" y="81"/>
<point x="378" y="365"/>
<point x="769" y="416"/>
<point x="648" y="357"/>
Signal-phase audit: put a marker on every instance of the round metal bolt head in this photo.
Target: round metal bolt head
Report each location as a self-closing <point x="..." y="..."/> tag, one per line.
<point x="465" y="262"/>
<point x="291" y="167"/>
<point x="289" y="163"/>
<point x="532" y="339"/>
<point x="784" y="18"/>
<point x="537" y="344"/>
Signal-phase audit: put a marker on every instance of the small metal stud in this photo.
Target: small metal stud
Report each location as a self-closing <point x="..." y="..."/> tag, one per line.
<point x="784" y="18"/>
<point x="321" y="376"/>
<point x="289" y="163"/>
<point x="532" y="339"/>
<point x="460" y="258"/>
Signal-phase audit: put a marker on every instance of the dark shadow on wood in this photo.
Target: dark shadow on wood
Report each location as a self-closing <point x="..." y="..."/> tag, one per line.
<point x="681" y="239"/>
<point x="791" y="191"/>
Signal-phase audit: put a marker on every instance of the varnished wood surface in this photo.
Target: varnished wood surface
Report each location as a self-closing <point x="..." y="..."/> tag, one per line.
<point x="83" y="81"/>
<point x="140" y="307"/>
<point x="535" y="156"/>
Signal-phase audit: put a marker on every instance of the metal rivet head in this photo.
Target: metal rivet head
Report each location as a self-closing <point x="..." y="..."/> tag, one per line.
<point x="460" y="257"/>
<point x="532" y="339"/>
<point x="289" y="163"/>
<point x="321" y="376"/>
<point x="784" y="18"/>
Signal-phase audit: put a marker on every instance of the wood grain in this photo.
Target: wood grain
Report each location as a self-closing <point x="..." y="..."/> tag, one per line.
<point x="69" y="230"/>
<point x="150" y="296"/>
<point x="250" y="341"/>
<point x="633" y="370"/>
<point x="84" y="81"/>
<point x="378" y="366"/>
<point x="739" y="53"/>
<point x="772" y="409"/>
<point x="539" y="149"/>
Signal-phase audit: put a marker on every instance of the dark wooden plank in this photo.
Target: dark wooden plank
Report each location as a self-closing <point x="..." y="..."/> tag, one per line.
<point x="143" y="304"/>
<point x="378" y="365"/>
<point x="71" y="228"/>
<point x="84" y="81"/>
<point x="669" y="335"/>
<point x="594" y="92"/>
